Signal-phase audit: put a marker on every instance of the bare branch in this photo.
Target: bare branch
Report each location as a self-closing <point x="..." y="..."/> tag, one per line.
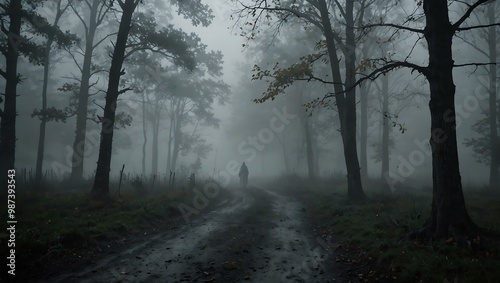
<point x="81" y="20"/>
<point x="102" y="13"/>
<point x="100" y="106"/>
<point x="124" y="90"/>
<point x="74" y="60"/>
<point x="474" y="64"/>
<point x="98" y="71"/>
<point x="392" y="25"/>
<point x="341" y="9"/>
<point x="94" y="83"/>
<point x="104" y="38"/>
<point x="467" y="14"/>
<point x="473" y="46"/>
<point x="478" y="26"/>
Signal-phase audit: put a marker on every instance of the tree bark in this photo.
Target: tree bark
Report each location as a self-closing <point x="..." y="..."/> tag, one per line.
<point x="492" y="51"/>
<point x="177" y="134"/>
<point x="449" y="216"/>
<point x="78" y="157"/>
<point x="363" y="100"/>
<point x="309" y="149"/>
<point x="8" y="115"/>
<point x="156" y="132"/>
<point x="363" y="125"/>
<point x="385" y="127"/>
<point x="43" y="122"/>
<point x="169" y="146"/>
<point x="355" y="188"/>
<point x="346" y="103"/>
<point x="144" y="134"/>
<point x="101" y="182"/>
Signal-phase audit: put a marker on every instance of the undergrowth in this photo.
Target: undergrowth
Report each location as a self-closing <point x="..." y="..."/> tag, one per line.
<point x="371" y="232"/>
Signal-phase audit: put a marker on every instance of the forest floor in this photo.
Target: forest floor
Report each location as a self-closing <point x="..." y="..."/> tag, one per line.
<point x="288" y="230"/>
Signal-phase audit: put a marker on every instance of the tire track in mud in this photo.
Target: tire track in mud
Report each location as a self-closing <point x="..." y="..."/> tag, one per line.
<point x="164" y="257"/>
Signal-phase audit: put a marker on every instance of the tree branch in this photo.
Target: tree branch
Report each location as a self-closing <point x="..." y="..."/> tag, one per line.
<point x="467" y="14"/>
<point x="81" y="20"/>
<point x="341" y="9"/>
<point x="471" y="44"/>
<point x="392" y="25"/>
<point x="102" y="13"/>
<point x="74" y="59"/>
<point x="474" y="64"/>
<point x="478" y="26"/>
<point x="104" y="38"/>
<point x="124" y="90"/>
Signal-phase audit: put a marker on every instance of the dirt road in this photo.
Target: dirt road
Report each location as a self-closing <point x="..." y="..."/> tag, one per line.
<point x="255" y="236"/>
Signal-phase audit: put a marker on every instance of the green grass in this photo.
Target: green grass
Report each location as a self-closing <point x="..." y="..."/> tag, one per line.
<point x="374" y="230"/>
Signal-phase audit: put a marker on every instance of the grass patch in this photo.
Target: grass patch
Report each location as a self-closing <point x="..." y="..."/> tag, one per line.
<point x="370" y="233"/>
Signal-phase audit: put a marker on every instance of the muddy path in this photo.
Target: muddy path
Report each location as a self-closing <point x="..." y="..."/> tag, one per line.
<point x="256" y="236"/>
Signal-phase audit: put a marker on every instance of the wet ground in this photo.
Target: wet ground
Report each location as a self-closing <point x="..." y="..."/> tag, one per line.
<point x="257" y="235"/>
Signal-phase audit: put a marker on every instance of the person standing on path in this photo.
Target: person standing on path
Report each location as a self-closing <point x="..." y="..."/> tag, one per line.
<point x="243" y="175"/>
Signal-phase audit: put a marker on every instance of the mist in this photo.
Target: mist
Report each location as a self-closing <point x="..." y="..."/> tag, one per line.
<point x="248" y="134"/>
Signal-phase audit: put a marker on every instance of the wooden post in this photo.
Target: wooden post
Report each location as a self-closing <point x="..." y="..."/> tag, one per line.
<point x="120" y="183"/>
<point x="170" y="180"/>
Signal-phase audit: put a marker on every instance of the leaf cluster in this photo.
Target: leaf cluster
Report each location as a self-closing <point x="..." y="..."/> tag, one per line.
<point x="34" y="26"/>
<point x="196" y="11"/>
<point x="50" y="114"/>
<point x="284" y="77"/>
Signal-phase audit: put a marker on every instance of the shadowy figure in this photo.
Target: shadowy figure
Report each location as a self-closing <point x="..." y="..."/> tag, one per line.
<point x="243" y="175"/>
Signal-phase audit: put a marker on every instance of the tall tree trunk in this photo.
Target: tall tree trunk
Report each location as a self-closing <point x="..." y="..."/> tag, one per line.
<point x="177" y="134"/>
<point x="492" y="51"/>
<point x="282" y="140"/>
<point x="101" y="182"/>
<point x="285" y="158"/>
<point x="144" y="134"/>
<point x="169" y="146"/>
<point x="355" y="189"/>
<point x="449" y="216"/>
<point x="78" y="157"/>
<point x="309" y="149"/>
<point x="8" y="115"/>
<point x="385" y="127"/>
<point x="154" y="157"/>
<point x="346" y="105"/>
<point x="363" y="99"/>
<point x="363" y="125"/>
<point x="315" y="151"/>
<point x="43" y="122"/>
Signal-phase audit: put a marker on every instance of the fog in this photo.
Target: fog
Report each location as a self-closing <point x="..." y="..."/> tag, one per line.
<point x="240" y="119"/>
<point x="250" y="141"/>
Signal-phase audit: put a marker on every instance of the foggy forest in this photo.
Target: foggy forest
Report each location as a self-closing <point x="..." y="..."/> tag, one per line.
<point x="250" y="141"/>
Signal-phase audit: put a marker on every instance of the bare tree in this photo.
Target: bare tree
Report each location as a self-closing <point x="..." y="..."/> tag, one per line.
<point x="449" y="216"/>
<point x="318" y="13"/>
<point x="97" y="11"/>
